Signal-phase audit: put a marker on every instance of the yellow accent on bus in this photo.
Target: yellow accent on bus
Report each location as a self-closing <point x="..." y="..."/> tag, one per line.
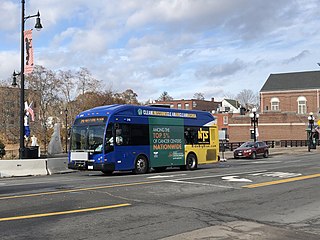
<point x="206" y="153"/>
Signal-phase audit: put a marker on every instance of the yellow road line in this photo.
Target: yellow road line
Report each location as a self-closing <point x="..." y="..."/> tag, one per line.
<point x="263" y="184"/>
<point x="63" y="213"/>
<point x="77" y="190"/>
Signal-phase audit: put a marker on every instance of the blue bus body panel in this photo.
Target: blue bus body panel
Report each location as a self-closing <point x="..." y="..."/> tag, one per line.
<point x="122" y="153"/>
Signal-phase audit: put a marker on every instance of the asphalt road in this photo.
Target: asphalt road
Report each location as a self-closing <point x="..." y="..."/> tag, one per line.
<point x="274" y="198"/>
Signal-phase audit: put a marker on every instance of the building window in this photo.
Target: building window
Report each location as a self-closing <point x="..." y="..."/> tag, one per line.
<point x="275" y="104"/>
<point x="179" y="105"/>
<point x="171" y="105"/>
<point x="225" y="120"/>
<point x="187" y="106"/>
<point x="302" y="105"/>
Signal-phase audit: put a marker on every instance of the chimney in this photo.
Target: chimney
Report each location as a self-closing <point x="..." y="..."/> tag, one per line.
<point x="212" y="99"/>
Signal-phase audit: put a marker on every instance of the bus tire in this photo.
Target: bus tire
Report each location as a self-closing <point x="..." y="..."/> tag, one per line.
<point x="141" y="165"/>
<point x="191" y="162"/>
<point x="159" y="169"/>
<point x="106" y="172"/>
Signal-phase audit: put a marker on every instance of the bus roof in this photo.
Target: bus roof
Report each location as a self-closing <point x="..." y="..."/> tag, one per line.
<point x="147" y="111"/>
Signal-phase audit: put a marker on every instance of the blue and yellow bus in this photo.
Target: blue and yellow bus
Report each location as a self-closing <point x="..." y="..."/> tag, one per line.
<point x="138" y="138"/>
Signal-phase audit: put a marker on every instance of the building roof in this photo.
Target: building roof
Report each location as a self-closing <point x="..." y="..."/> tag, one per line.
<point x="292" y="81"/>
<point x="232" y="102"/>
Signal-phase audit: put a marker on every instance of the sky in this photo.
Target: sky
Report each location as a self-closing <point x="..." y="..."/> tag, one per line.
<point x="183" y="47"/>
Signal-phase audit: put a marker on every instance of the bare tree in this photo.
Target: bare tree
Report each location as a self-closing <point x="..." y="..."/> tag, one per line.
<point x="67" y="84"/>
<point x="48" y="89"/>
<point x="165" y="97"/>
<point x="198" y="96"/>
<point x="229" y="95"/>
<point x="86" y="82"/>
<point x="248" y="98"/>
<point x="6" y="82"/>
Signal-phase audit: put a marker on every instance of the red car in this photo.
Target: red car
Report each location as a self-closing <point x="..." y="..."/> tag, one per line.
<point x="251" y="150"/>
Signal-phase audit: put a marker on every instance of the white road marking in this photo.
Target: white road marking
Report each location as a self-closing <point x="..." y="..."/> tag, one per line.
<point x="195" y="183"/>
<point x="235" y="179"/>
<point x="219" y="175"/>
<point x="266" y="162"/>
<point x="277" y="174"/>
<point x="167" y="176"/>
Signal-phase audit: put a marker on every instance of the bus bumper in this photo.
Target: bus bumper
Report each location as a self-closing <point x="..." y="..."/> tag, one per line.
<point x="81" y="165"/>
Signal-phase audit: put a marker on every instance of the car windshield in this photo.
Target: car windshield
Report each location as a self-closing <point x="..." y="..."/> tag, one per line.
<point x="247" y="144"/>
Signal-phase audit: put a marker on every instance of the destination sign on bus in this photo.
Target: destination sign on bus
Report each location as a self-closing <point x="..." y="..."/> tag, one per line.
<point x="90" y="120"/>
<point x="166" y="114"/>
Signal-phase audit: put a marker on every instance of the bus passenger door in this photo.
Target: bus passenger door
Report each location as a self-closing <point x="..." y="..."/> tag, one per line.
<point x="123" y="155"/>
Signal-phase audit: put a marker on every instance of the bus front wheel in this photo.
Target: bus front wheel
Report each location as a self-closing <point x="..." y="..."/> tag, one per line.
<point x="141" y="165"/>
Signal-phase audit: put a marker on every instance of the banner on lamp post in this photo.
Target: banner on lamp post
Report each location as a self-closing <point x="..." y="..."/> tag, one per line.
<point x="29" y="51"/>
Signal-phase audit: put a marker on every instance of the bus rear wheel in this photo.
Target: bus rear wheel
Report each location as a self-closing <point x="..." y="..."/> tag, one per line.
<point x="191" y="162"/>
<point x="141" y="165"/>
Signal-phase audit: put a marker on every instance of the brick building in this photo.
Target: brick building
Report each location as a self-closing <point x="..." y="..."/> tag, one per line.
<point x="192" y="104"/>
<point x="286" y="100"/>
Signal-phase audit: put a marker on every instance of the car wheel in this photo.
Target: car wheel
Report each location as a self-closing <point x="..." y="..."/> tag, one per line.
<point x="253" y="155"/>
<point x="266" y="154"/>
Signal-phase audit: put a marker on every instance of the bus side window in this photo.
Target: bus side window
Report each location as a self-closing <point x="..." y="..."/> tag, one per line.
<point x="119" y="138"/>
<point x="189" y="135"/>
<point x="123" y="134"/>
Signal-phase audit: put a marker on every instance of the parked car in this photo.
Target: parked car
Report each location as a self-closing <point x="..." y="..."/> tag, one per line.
<point x="252" y="150"/>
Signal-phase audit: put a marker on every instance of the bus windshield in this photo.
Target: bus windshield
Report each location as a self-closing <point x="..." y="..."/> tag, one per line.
<point x="88" y="138"/>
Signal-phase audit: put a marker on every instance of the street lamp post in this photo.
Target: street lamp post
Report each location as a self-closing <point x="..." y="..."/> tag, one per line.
<point x="37" y="26"/>
<point x="254" y="120"/>
<point x="311" y="124"/>
<point x="66" y="112"/>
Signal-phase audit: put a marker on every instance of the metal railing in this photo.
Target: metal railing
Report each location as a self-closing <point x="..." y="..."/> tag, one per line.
<point x="272" y="144"/>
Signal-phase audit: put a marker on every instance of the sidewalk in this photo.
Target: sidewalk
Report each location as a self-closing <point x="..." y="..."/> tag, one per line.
<point x="278" y="151"/>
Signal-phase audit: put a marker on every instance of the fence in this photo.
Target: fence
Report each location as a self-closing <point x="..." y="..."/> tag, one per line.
<point x="282" y="143"/>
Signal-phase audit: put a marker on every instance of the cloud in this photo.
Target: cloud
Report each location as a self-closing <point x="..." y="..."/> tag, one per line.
<point x="222" y="69"/>
<point x="181" y="46"/>
<point x="7" y="9"/>
<point x="9" y="61"/>
<point x="297" y="58"/>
